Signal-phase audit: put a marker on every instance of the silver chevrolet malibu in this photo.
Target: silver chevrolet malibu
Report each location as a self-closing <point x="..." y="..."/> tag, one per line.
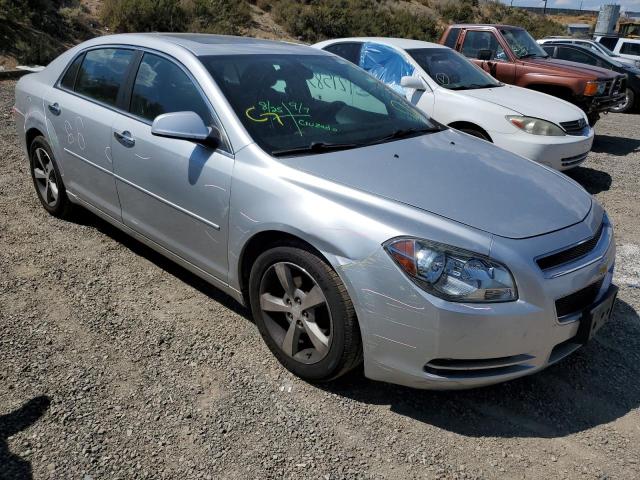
<point x="355" y="228"/>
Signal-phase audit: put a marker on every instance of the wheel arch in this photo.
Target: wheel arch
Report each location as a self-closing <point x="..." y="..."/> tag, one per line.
<point x="262" y="241"/>
<point x="458" y="125"/>
<point x="30" y="136"/>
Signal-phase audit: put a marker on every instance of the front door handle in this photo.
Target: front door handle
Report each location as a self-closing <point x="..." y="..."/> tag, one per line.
<point x="125" y="138"/>
<point x="55" y="108"/>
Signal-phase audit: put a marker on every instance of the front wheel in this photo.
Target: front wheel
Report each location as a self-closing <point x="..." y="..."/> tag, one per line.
<point x="304" y="313"/>
<point x="628" y="103"/>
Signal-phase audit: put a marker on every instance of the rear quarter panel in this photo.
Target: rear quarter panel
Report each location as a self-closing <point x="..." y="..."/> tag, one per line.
<point x="30" y="93"/>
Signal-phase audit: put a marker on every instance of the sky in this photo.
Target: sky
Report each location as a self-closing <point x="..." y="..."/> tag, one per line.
<point x="632" y="5"/>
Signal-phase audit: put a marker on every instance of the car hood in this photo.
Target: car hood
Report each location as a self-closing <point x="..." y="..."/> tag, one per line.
<point x="527" y="102"/>
<point x="564" y="68"/>
<point x="459" y="177"/>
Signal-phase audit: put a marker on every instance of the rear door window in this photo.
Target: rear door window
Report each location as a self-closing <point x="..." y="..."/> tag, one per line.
<point x="575" y="55"/>
<point x="609" y="42"/>
<point x="161" y="86"/>
<point x="349" y="51"/>
<point x="386" y="64"/>
<point x="69" y="79"/>
<point x="629" y="48"/>
<point x="102" y="73"/>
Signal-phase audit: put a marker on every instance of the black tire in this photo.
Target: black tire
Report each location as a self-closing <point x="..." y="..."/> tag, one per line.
<point x="61" y="207"/>
<point x="593" y="118"/>
<point x="628" y="105"/>
<point x="476" y="133"/>
<point x="345" y="347"/>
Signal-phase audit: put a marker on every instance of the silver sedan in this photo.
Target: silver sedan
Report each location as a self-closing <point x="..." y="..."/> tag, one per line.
<point x="354" y="227"/>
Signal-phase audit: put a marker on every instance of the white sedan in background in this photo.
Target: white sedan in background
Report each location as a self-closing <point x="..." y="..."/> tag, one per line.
<point x="457" y="93"/>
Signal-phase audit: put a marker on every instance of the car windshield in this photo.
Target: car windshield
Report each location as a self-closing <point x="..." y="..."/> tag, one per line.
<point x="522" y="44"/>
<point x="306" y="104"/>
<point x="451" y="70"/>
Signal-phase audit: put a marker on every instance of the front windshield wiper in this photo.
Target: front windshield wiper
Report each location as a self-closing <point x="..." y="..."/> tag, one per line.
<point x="474" y="86"/>
<point x="404" y="133"/>
<point x="314" y="147"/>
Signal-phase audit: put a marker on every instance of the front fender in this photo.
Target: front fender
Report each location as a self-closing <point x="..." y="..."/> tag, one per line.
<point x="346" y="225"/>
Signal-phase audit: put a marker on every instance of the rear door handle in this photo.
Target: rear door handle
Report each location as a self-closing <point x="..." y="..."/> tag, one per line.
<point x="125" y="138"/>
<point x="55" y="108"/>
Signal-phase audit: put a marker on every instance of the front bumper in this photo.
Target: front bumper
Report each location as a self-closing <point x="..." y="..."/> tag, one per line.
<point x="560" y="153"/>
<point x="415" y="339"/>
<point x="602" y="104"/>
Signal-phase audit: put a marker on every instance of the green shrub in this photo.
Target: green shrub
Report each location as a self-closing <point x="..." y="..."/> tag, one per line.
<point x="537" y="25"/>
<point x="211" y="16"/>
<point x="144" y="15"/>
<point x="219" y="16"/>
<point x="457" y="11"/>
<point x="315" y="20"/>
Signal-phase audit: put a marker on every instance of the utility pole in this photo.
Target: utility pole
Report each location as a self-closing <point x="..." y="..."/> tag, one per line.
<point x="544" y="11"/>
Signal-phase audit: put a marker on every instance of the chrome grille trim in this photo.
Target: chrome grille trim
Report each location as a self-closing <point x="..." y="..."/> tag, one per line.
<point x="572" y="253"/>
<point x="574" y="127"/>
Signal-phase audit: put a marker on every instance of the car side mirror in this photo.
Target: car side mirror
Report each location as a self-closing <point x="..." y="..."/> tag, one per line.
<point x="186" y="126"/>
<point x="413" y="82"/>
<point x="484" y="54"/>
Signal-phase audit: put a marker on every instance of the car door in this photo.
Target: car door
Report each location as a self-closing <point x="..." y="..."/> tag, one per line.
<point x="499" y="65"/>
<point x="81" y="110"/>
<point x="172" y="191"/>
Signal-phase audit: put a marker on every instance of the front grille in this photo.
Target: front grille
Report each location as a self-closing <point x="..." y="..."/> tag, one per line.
<point x="619" y="85"/>
<point x="575" y="127"/>
<point x="578" y="301"/>
<point x="575" y="160"/>
<point x="571" y="253"/>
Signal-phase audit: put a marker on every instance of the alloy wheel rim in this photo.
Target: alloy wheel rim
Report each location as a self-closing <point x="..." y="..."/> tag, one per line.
<point x="296" y="312"/>
<point x="45" y="175"/>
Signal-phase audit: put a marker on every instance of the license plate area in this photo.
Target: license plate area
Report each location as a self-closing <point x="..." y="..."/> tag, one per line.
<point x="594" y="317"/>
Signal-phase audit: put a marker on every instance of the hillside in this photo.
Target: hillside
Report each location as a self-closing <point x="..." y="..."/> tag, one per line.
<point x="35" y="31"/>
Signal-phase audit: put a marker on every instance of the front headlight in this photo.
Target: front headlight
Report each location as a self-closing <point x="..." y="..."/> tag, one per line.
<point x="536" y="126"/>
<point x="452" y="273"/>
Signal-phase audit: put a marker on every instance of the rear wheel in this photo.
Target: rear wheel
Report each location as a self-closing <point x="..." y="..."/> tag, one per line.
<point x="47" y="179"/>
<point x="629" y="101"/>
<point x="304" y="313"/>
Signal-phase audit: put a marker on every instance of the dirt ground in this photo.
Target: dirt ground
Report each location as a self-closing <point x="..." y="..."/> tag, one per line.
<point x="116" y="363"/>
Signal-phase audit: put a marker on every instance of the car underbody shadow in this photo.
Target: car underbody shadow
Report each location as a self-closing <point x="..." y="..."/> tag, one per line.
<point x="11" y="465"/>
<point x="619" y="146"/>
<point x="594" y="386"/>
<point x="593" y="181"/>
<point x="82" y="216"/>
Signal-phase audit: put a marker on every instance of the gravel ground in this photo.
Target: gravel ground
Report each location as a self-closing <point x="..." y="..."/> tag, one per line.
<point x="115" y="363"/>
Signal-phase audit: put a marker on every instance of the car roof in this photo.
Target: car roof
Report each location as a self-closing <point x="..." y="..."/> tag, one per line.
<point x="402" y="43"/>
<point x="494" y="25"/>
<point x="201" y="44"/>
